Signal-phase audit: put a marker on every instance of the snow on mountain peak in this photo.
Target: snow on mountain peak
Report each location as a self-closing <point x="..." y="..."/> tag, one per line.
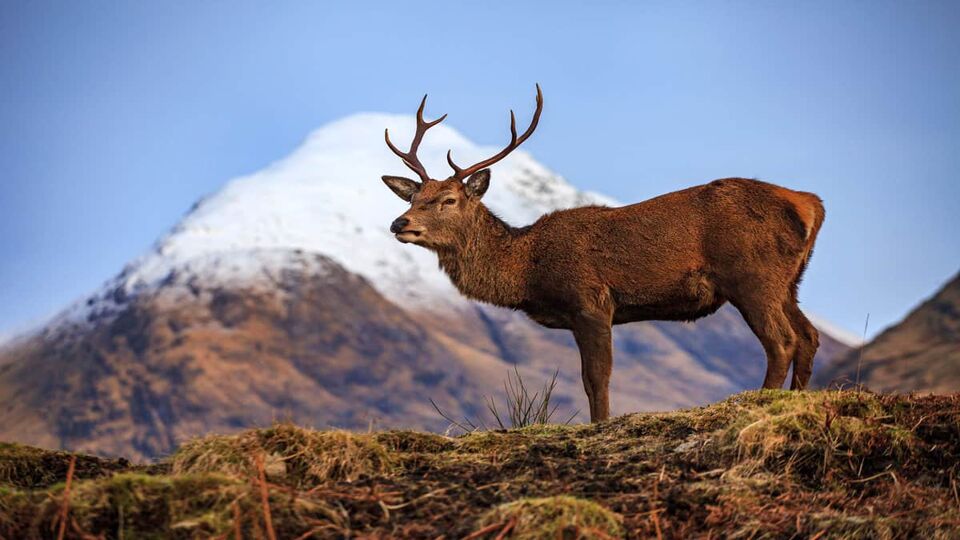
<point x="326" y="197"/>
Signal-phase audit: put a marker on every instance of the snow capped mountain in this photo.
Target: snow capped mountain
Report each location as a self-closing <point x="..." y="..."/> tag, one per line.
<point x="284" y="294"/>
<point x="326" y="197"/>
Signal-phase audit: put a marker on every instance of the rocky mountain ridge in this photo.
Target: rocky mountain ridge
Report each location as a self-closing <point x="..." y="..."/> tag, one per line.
<point x="921" y="353"/>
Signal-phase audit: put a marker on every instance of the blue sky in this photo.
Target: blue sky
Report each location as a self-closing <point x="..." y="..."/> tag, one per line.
<point x="116" y="116"/>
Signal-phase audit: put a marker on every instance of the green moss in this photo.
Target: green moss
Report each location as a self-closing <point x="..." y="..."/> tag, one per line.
<point x="555" y="517"/>
<point x="132" y="505"/>
<point x="135" y="505"/>
<point x="129" y="504"/>
<point x="493" y="443"/>
<point x="16" y="509"/>
<point x="149" y="504"/>
<point x="902" y="440"/>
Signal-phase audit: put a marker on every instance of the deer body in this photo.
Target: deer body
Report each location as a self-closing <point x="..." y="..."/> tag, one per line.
<point x="679" y="256"/>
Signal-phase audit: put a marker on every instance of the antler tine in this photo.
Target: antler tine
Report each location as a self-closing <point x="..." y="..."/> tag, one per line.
<point x="403" y="157"/>
<point x="456" y="169"/>
<point x="514" y="142"/>
<point x="410" y="158"/>
<point x="420" y="120"/>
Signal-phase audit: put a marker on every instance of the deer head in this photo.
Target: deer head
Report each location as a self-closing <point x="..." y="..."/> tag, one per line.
<point x="443" y="211"/>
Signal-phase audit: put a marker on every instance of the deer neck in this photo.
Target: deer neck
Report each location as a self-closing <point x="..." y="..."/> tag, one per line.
<point x="488" y="262"/>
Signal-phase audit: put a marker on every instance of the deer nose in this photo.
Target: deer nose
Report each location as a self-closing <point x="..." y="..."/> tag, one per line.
<point x="398" y="224"/>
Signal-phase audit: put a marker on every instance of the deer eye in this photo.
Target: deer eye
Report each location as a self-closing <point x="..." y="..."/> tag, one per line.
<point x="448" y="202"/>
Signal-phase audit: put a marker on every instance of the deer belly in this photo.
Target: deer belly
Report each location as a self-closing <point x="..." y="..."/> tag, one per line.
<point x="549" y="320"/>
<point x="688" y="299"/>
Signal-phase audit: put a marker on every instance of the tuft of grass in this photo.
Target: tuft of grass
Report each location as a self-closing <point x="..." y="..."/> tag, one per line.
<point x="28" y="467"/>
<point x="135" y="505"/>
<point x="414" y="441"/>
<point x="553" y="517"/>
<point x="807" y="432"/>
<point x="132" y="505"/>
<point x="521" y="408"/>
<point x="293" y="455"/>
<point x="148" y="504"/>
<point x="524" y="409"/>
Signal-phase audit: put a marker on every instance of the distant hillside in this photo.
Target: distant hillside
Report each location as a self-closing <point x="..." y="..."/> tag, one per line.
<point x="921" y="353"/>
<point x="320" y="347"/>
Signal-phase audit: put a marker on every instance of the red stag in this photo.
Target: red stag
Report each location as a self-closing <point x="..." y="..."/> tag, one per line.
<point x="679" y="256"/>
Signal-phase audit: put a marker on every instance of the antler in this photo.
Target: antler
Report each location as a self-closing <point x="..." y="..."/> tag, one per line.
<point x="514" y="143"/>
<point x="410" y="158"/>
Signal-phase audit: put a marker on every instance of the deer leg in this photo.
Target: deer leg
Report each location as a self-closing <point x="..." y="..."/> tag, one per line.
<point x="775" y="332"/>
<point x="594" y="339"/>
<point x="808" y="339"/>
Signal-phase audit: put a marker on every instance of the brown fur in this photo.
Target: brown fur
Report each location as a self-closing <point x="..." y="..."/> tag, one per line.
<point x="679" y="256"/>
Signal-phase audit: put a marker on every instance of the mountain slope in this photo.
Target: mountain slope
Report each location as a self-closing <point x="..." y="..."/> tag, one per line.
<point x="285" y="295"/>
<point x="189" y="358"/>
<point x="921" y="353"/>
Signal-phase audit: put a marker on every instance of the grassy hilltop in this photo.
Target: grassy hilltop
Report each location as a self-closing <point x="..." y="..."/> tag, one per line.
<point x="766" y="464"/>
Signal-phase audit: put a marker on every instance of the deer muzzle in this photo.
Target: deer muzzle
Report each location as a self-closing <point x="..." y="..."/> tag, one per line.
<point x="398" y="224"/>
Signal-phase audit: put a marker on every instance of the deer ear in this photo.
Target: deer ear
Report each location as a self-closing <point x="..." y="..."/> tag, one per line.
<point x="478" y="183"/>
<point x="405" y="188"/>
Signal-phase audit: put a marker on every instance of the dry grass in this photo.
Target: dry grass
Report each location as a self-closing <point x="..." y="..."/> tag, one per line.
<point x="814" y="430"/>
<point x="293" y="455"/>
<point x="554" y="517"/>
<point x="521" y="408"/>
<point x="766" y="464"/>
<point x="134" y="505"/>
<point x="28" y="467"/>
